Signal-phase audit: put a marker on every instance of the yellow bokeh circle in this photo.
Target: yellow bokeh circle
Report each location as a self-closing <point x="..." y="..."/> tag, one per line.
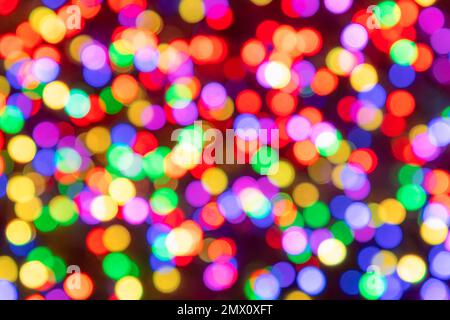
<point x="19" y="232"/>
<point x="20" y="189"/>
<point x="331" y="252"/>
<point x="391" y="211"/>
<point x="34" y="274"/>
<point x="425" y="3"/>
<point x="214" y="180"/>
<point x="305" y="194"/>
<point x="341" y="154"/>
<point x="116" y="238"/>
<point x="297" y="295"/>
<point x="122" y="190"/>
<point x="22" y="149"/>
<point x="386" y="261"/>
<point x="363" y="77"/>
<point x="62" y="209"/>
<point x="261" y="2"/>
<point x="150" y="20"/>
<point x="136" y="111"/>
<point x="29" y="210"/>
<point x="191" y="11"/>
<point x="166" y="279"/>
<point x="8" y="269"/>
<point x="283" y="176"/>
<point x="411" y="268"/>
<point x="98" y="139"/>
<point x="128" y="288"/>
<point x="56" y="95"/>
<point x="38" y="15"/>
<point x="104" y="208"/>
<point x="52" y="28"/>
<point x="434" y="231"/>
